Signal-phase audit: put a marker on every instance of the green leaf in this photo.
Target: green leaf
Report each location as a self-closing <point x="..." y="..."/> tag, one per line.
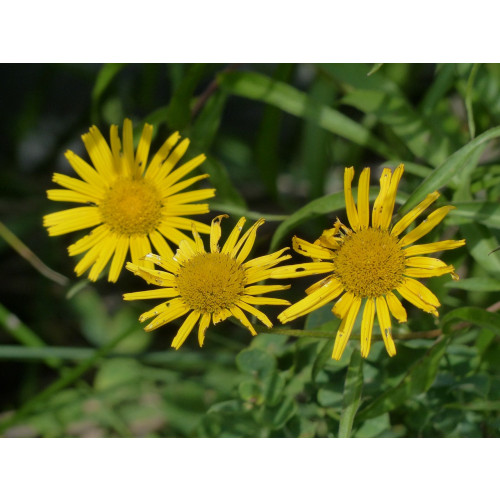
<point x="476" y="406"/>
<point x="476" y="284"/>
<point x="208" y="121"/>
<point x="474" y="315"/>
<point x="374" y="69"/>
<point x="485" y="212"/>
<point x="287" y="98"/>
<point x="104" y="78"/>
<point x="395" y="112"/>
<point x="276" y="418"/>
<point x="418" y="379"/>
<point x="255" y="362"/>
<point x="374" y="426"/>
<point x="266" y="148"/>
<point x="445" y="172"/>
<point x="352" y="394"/>
<point x="178" y="113"/>
<point x="322" y="358"/>
<point x="481" y="245"/>
<point x="219" y="178"/>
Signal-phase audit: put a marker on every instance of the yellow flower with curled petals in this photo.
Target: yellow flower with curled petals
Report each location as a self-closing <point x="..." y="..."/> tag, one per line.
<point x="210" y="286"/>
<point x="132" y="203"/>
<point x="367" y="263"/>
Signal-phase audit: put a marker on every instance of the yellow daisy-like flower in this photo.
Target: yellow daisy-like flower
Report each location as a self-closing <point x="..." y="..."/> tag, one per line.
<point x="367" y="263"/>
<point x="210" y="286"/>
<point x="132" y="203"/>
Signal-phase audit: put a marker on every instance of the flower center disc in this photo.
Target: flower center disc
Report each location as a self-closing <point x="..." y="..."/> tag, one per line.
<point x="370" y="263"/>
<point x="210" y="282"/>
<point x="132" y="206"/>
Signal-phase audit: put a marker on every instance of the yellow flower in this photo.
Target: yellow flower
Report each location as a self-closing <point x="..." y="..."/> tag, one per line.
<point x="367" y="263"/>
<point x="210" y="286"/>
<point x="132" y="203"/>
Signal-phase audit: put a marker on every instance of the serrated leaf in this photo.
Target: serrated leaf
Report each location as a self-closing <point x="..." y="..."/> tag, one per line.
<point x="418" y="379"/>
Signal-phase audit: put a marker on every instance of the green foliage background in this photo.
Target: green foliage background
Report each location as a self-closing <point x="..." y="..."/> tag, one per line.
<point x="74" y="361"/>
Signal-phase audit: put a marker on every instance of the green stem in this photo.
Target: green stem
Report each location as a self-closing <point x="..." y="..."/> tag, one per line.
<point x="23" y="334"/>
<point x="27" y="254"/>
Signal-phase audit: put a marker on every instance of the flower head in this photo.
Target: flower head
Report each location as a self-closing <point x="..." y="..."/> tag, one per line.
<point x="367" y="263"/>
<point x="132" y="203"/>
<point x="210" y="286"/>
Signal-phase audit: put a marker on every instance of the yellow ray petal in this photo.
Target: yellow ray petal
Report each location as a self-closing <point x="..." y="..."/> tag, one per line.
<point x="191" y="196"/>
<point x="233" y="237"/>
<point x="183" y="185"/>
<point x="255" y="312"/>
<point x="352" y="213"/>
<point x="311" y="250"/>
<point x="239" y="314"/>
<point x="215" y="233"/>
<point x="390" y="199"/>
<point x="99" y="153"/>
<point x="260" y="301"/>
<point x="315" y="300"/>
<point x="342" y="306"/>
<point x="167" y="263"/>
<point x="116" y="148"/>
<point x="165" y="307"/>
<point x="424" y="262"/>
<point x="166" y="317"/>
<point x="328" y="238"/>
<point x="423" y="228"/>
<point x="413" y="214"/>
<point x="378" y="206"/>
<point x="141" y="155"/>
<point x="128" y="148"/>
<point x="173" y="234"/>
<point x="416" y="272"/>
<point x="421" y="291"/>
<point x="198" y="242"/>
<point x="367" y="327"/>
<point x="68" y="195"/>
<point x="88" y="241"/>
<point x="299" y="270"/>
<point x="186" y="224"/>
<point x="170" y="163"/>
<point x="152" y="276"/>
<point x="260" y="289"/>
<point x="408" y="294"/>
<point x="318" y="285"/>
<point x="202" y="328"/>
<point x="155" y="165"/>
<point x="73" y="219"/>
<point x="185" y="329"/>
<point x="221" y="315"/>
<point x="265" y="260"/>
<point x="384" y="320"/>
<point x="107" y="249"/>
<point x="158" y="293"/>
<point x="179" y="210"/>
<point x="118" y="258"/>
<point x="93" y="192"/>
<point x="345" y="329"/>
<point x="246" y="242"/>
<point x="439" y="246"/>
<point x="396" y="308"/>
<point x="89" y="258"/>
<point x="85" y="171"/>
<point x="182" y="171"/>
<point x="162" y="247"/>
<point x="364" y="198"/>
